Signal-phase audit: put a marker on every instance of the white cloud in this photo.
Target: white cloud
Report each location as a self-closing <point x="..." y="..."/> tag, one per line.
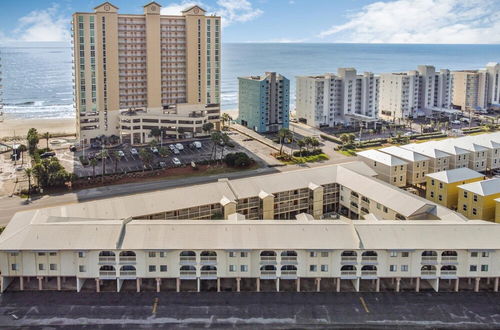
<point x="232" y="11"/>
<point x="422" y="21"/>
<point x="43" y="25"/>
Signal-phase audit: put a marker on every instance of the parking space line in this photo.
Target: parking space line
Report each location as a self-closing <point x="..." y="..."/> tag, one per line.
<point x="365" y="306"/>
<point x="155" y="305"/>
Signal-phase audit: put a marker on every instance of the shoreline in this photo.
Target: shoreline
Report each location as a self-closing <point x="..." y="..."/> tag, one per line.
<point x="19" y="127"/>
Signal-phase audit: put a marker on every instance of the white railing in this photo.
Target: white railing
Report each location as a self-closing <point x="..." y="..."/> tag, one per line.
<point x="348" y="273"/>
<point x="369" y="258"/>
<point x="268" y="272"/>
<point x="208" y="273"/>
<point x="107" y="273"/>
<point x="429" y="258"/>
<point x="268" y="258"/>
<point x="428" y="272"/>
<point x="368" y="272"/>
<point x="188" y="259"/>
<point x="208" y="259"/>
<point x="127" y="259"/>
<point x="289" y="258"/>
<point x="448" y="272"/>
<point x="449" y="258"/>
<point x="127" y="273"/>
<point x="288" y="272"/>
<point x="188" y="272"/>
<point x="107" y="259"/>
<point x="348" y="259"/>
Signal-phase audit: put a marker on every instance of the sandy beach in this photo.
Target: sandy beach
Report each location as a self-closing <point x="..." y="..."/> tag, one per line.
<point x="20" y="127"/>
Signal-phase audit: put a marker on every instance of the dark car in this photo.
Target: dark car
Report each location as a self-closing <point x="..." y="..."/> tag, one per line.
<point x="47" y="154"/>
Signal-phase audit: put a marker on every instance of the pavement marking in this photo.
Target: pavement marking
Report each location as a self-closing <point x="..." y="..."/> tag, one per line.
<point x="155" y="305"/>
<point x="365" y="306"/>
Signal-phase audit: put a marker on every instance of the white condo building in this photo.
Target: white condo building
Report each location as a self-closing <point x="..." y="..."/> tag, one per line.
<point x="415" y="93"/>
<point x="330" y="99"/>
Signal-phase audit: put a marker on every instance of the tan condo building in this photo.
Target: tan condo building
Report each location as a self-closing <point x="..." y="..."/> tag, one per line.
<point x="151" y="64"/>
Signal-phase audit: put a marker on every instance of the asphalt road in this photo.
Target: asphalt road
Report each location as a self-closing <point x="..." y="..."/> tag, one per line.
<point x="251" y="310"/>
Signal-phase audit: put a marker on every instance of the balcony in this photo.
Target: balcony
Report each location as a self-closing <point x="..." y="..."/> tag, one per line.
<point x="128" y="273"/>
<point x="186" y="260"/>
<point x="430" y="273"/>
<point x="369" y="273"/>
<point x="107" y="260"/>
<point x="429" y="259"/>
<point x="448" y="273"/>
<point x="268" y="259"/>
<point x="127" y="260"/>
<point x="208" y="274"/>
<point x="448" y="259"/>
<point x="288" y="274"/>
<point x="208" y="260"/>
<point x="348" y="260"/>
<point x="107" y="274"/>
<point x="188" y="274"/>
<point x="268" y="274"/>
<point x="348" y="274"/>
<point x="289" y="259"/>
<point x="368" y="259"/>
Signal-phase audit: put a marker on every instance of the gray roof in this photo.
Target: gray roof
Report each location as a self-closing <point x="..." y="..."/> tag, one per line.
<point x="381" y="157"/>
<point x="455" y="175"/>
<point x="404" y="154"/>
<point x="483" y="188"/>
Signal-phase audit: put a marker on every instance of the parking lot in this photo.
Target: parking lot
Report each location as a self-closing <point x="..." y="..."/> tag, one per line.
<point x="131" y="162"/>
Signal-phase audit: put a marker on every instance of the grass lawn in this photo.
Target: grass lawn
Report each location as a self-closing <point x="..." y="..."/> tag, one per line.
<point x="349" y="152"/>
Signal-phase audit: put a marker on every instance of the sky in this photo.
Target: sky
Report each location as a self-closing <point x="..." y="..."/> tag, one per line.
<point x="301" y="21"/>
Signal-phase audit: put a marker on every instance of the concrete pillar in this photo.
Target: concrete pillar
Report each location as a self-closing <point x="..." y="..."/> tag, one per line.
<point x="417" y="285"/>
<point x="495" y="285"/>
<point x="398" y="284"/>
<point x="158" y="284"/>
<point x="338" y="284"/>
<point x="64" y="279"/>
<point x="488" y="280"/>
<point x="97" y="285"/>
<point x="238" y="284"/>
<point x="46" y="279"/>
<point x="377" y="285"/>
<point x="178" y="284"/>
<point x="258" y="284"/>
<point x="457" y="283"/>
<point x="318" y="284"/>
<point x="40" y="283"/>
<point x="58" y="283"/>
<point x="198" y="284"/>
<point x="218" y="284"/>
<point x="28" y="279"/>
<point x="476" y="284"/>
<point x="21" y="283"/>
<point x="278" y="285"/>
<point x="298" y="284"/>
<point x="138" y="285"/>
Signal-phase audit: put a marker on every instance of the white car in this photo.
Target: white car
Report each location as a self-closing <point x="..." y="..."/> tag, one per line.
<point x="408" y="134"/>
<point x="176" y="161"/>
<point x="172" y="147"/>
<point x="175" y="151"/>
<point x="121" y="153"/>
<point x="456" y="122"/>
<point x="133" y="152"/>
<point x="179" y="146"/>
<point x="154" y="150"/>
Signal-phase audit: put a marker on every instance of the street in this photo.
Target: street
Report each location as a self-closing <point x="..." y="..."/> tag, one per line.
<point x="466" y="310"/>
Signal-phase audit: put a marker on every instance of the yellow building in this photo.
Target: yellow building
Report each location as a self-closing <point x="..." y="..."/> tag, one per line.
<point x="497" y="212"/>
<point x="477" y="200"/>
<point x="442" y="187"/>
<point x="148" y="62"/>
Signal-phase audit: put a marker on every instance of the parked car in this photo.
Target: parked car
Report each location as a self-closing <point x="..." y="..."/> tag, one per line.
<point x="175" y="151"/>
<point x="163" y="164"/>
<point x="48" y="154"/>
<point x="456" y="122"/>
<point x="179" y="146"/>
<point x="172" y="147"/>
<point x="134" y="152"/>
<point x="176" y="161"/>
<point x="121" y="154"/>
<point x="465" y="120"/>
<point x="408" y="134"/>
<point x="154" y="150"/>
<point x="197" y="144"/>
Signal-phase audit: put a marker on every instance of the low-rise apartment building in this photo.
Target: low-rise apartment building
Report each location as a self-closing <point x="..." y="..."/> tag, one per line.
<point x="264" y="102"/>
<point x="459" y="157"/>
<point x="417" y="164"/>
<point x="497" y="212"/>
<point x="330" y="99"/>
<point x="478" y="157"/>
<point x="442" y="187"/>
<point x="389" y="168"/>
<point x="438" y="160"/>
<point x="492" y="143"/>
<point x="477" y="200"/>
<point x="241" y="255"/>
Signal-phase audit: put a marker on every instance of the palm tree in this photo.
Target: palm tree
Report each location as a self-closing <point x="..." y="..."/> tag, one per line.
<point x="104" y="155"/>
<point x="22" y="149"/>
<point x="93" y="163"/>
<point x="301" y="143"/>
<point x="216" y="139"/>
<point x="29" y="174"/>
<point x="284" y="134"/>
<point x="344" y="138"/>
<point x="146" y="157"/>
<point x="314" y="142"/>
<point x="224" y="138"/>
<point x="207" y="127"/>
<point x="46" y="136"/>
<point x="225" y="118"/>
<point x="116" y="158"/>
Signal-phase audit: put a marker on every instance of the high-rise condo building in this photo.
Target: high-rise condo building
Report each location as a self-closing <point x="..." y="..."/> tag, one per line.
<point x="415" y="93"/>
<point x="264" y="102"/>
<point x="330" y="99"/>
<point x="1" y="90"/>
<point x="477" y="89"/>
<point x="146" y="67"/>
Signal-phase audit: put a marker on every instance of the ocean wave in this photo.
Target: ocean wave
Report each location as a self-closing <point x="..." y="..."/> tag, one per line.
<point x="39" y="112"/>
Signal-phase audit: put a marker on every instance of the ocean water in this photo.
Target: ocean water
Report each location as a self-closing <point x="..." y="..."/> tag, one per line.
<point x="38" y="77"/>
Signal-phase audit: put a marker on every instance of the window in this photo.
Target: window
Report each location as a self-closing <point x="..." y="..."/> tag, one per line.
<point x="405" y="254"/>
<point x="324" y="268"/>
<point x="163" y="254"/>
<point x="244" y="254"/>
<point x="484" y="268"/>
<point x="404" y="268"/>
<point x="324" y="254"/>
<point x="440" y="185"/>
<point x="385" y="209"/>
<point x="152" y="254"/>
<point x="14" y="254"/>
<point x="313" y="254"/>
<point x="474" y="198"/>
<point x="432" y="194"/>
<point x="41" y="254"/>
<point x="440" y="197"/>
<point x="81" y="268"/>
<point x="232" y="268"/>
<point x="473" y="268"/>
<point x="485" y="254"/>
<point x="53" y="267"/>
<point x="232" y="254"/>
<point x="163" y="268"/>
<point x="152" y="268"/>
<point x="474" y="254"/>
<point x="432" y="182"/>
<point x="41" y="267"/>
<point x="465" y="194"/>
<point x="474" y="211"/>
<point x="14" y="267"/>
<point x="81" y="254"/>
<point x="244" y="268"/>
<point x="464" y="207"/>
<point x="52" y="254"/>
<point x="313" y="268"/>
<point x="394" y="254"/>
<point x="393" y="268"/>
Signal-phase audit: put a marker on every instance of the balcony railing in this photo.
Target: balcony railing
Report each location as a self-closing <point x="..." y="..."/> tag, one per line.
<point x="208" y="259"/>
<point x="289" y="259"/>
<point x="188" y="259"/>
<point x="191" y="273"/>
<point x="428" y="272"/>
<point x="127" y="259"/>
<point x="107" y="259"/>
<point x="429" y="258"/>
<point x="368" y="273"/>
<point x="448" y="272"/>
<point x="369" y="259"/>
<point x="288" y="273"/>
<point x="348" y="273"/>
<point x="348" y="259"/>
<point x="268" y="258"/>
<point x="267" y="273"/>
<point x="448" y="259"/>
<point x="107" y="273"/>
<point x="209" y="273"/>
<point x="128" y="273"/>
